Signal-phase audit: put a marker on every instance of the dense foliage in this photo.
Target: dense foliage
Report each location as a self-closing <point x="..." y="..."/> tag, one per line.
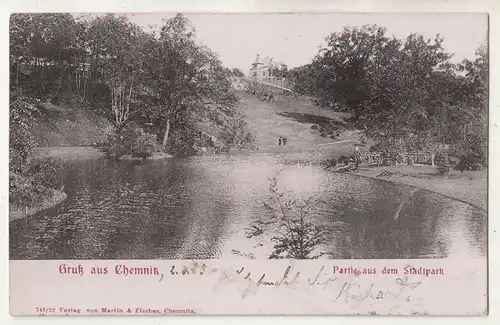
<point x="132" y="140"/>
<point x="32" y="182"/>
<point x="237" y="73"/>
<point x="403" y="92"/>
<point x="22" y="110"/>
<point x="153" y="87"/>
<point x="160" y="79"/>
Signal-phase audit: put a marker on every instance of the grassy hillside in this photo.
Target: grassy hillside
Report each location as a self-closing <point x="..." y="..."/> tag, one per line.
<point x="295" y="119"/>
<point x="69" y="125"/>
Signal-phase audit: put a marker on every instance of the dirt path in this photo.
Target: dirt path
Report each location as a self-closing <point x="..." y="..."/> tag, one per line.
<point x="268" y="121"/>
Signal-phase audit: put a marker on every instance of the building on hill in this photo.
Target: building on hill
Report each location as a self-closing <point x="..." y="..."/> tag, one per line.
<point x="261" y="67"/>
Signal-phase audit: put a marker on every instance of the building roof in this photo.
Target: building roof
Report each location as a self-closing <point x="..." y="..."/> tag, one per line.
<point x="267" y="61"/>
<point x="257" y="60"/>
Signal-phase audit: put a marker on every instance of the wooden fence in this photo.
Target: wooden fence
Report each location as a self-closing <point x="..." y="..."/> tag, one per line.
<point x="377" y="158"/>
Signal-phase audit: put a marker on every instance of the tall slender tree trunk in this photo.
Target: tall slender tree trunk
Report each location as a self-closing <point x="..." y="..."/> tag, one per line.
<point x="17" y="76"/>
<point x="84" y="89"/>
<point x="167" y="130"/>
<point x="75" y="66"/>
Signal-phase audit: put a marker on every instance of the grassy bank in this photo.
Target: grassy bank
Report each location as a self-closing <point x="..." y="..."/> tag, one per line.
<point x="67" y="153"/>
<point x="55" y="197"/>
<point x="470" y="186"/>
<point x="70" y="124"/>
<point x="81" y="153"/>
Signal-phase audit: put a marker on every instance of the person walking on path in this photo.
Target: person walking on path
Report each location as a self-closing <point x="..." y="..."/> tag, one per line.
<point x="284" y="141"/>
<point x="280" y="141"/>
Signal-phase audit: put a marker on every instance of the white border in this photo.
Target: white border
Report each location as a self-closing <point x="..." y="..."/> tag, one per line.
<point x="254" y="6"/>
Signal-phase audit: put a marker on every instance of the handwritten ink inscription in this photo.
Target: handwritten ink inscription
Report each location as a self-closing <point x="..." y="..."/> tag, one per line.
<point x="346" y="291"/>
<point x="345" y="282"/>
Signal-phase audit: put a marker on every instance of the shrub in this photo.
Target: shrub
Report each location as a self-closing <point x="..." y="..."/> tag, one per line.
<point x="444" y="169"/>
<point x="343" y="160"/>
<point x="332" y="162"/>
<point x="315" y="126"/>
<point x="469" y="162"/>
<point x="44" y="172"/>
<point x="22" y="112"/>
<point x="29" y="186"/>
<point x="145" y="145"/>
<point x="132" y="140"/>
<point x="292" y="231"/>
<point x="376" y="147"/>
<point x="16" y="161"/>
<point x="25" y="191"/>
<point x="262" y="92"/>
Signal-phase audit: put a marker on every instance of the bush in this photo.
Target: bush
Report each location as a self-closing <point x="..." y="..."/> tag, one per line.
<point x="376" y="147"/>
<point x="293" y="232"/>
<point x="262" y="92"/>
<point x="16" y="161"/>
<point x="132" y="140"/>
<point x="332" y="162"/>
<point x="469" y="162"/>
<point x="25" y="191"/>
<point x="444" y="169"/>
<point x="145" y="145"/>
<point x="343" y="160"/>
<point x="22" y="112"/>
<point x="28" y="187"/>
<point x="44" y="172"/>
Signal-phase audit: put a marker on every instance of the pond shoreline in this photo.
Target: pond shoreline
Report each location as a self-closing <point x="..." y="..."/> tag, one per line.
<point x="76" y="153"/>
<point x="470" y="187"/>
<point x="55" y="198"/>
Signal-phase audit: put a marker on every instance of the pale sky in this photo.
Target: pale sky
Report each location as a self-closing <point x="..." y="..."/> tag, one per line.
<point x="295" y="38"/>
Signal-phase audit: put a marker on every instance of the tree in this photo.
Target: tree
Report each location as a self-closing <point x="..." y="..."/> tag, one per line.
<point x="117" y="54"/>
<point x="279" y="72"/>
<point x="393" y="88"/>
<point x="345" y="63"/>
<point x="188" y="79"/>
<point x="22" y="115"/>
<point x="469" y="127"/>
<point x="402" y="98"/>
<point x="41" y="47"/>
<point x="305" y="79"/>
<point x="238" y="73"/>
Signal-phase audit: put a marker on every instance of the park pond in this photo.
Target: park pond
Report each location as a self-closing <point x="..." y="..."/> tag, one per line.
<point x="199" y="207"/>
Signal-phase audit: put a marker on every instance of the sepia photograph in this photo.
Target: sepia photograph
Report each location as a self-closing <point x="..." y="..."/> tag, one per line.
<point x="183" y="136"/>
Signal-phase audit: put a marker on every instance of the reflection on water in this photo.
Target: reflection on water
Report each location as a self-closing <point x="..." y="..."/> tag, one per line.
<point x="199" y="207"/>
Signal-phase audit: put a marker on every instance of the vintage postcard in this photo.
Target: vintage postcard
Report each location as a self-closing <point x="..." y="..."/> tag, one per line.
<point x="248" y="164"/>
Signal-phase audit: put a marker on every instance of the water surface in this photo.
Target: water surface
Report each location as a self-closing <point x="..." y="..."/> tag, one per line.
<point x="198" y="208"/>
